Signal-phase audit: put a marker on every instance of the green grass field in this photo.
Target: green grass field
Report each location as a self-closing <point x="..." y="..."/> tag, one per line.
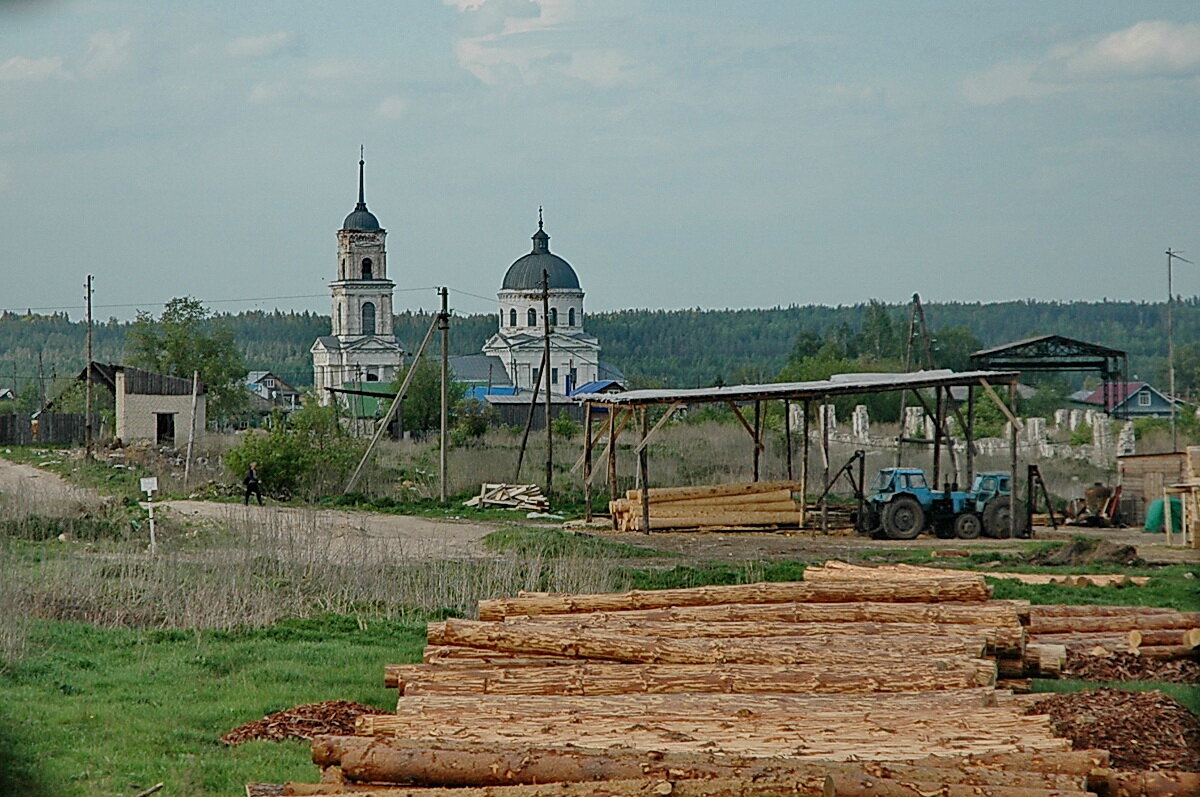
<point x="114" y="711"/>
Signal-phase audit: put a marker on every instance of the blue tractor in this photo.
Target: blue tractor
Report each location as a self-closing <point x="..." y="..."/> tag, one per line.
<point x="902" y="505"/>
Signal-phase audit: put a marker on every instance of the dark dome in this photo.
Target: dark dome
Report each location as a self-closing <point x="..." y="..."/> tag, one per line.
<point x="525" y="274"/>
<point x="361" y="220"/>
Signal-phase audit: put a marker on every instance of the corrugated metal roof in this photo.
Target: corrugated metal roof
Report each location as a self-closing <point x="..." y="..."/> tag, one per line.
<point x="837" y="385"/>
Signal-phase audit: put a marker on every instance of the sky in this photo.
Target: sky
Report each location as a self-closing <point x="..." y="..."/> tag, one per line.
<point x="705" y="153"/>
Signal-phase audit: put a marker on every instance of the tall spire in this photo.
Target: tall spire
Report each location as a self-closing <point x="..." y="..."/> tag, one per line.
<point x="541" y="240"/>
<point x="362" y="202"/>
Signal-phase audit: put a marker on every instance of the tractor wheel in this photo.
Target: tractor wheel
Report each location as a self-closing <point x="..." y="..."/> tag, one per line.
<point x="968" y="526"/>
<point x="997" y="514"/>
<point x="903" y="519"/>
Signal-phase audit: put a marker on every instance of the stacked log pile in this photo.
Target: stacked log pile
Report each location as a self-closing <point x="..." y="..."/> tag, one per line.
<point x="881" y="684"/>
<point x="754" y="505"/>
<point x="1152" y="632"/>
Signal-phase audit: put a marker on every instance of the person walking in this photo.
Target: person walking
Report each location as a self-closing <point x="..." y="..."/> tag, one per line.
<point x="253" y="485"/>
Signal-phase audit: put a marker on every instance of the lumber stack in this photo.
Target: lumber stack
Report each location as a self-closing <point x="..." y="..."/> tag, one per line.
<point x="753" y="505"/>
<point x="880" y="684"/>
<point x="523" y="497"/>
<point x="1152" y="632"/>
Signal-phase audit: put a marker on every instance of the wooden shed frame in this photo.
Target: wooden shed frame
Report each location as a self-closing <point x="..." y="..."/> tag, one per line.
<point x="621" y="408"/>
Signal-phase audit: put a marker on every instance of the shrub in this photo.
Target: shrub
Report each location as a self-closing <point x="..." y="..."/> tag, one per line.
<point x="305" y="453"/>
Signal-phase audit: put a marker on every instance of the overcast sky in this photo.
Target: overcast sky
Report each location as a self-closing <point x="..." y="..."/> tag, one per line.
<point x="704" y="153"/>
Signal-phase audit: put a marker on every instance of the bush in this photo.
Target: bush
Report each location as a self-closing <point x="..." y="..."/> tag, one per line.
<point x="307" y="453"/>
<point x="563" y="426"/>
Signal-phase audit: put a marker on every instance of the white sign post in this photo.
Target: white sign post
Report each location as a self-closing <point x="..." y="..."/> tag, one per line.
<point x="149" y="487"/>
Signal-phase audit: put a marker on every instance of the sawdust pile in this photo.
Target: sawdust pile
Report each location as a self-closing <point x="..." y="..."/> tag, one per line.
<point x="303" y="722"/>
<point x="1141" y="730"/>
<point x="1120" y="666"/>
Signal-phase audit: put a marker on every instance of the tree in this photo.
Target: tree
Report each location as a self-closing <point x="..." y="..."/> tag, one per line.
<point x="879" y="335"/>
<point x="953" y="347"/>
<point x="423" y="402"/>
<point x="187" y="338"/>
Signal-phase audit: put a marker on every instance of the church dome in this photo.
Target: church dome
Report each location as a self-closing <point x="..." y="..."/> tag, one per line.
<point x="361" y="220"/>
<point x="525" y="274"/>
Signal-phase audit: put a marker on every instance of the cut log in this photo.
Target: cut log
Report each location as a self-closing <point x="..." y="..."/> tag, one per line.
<point x="997" y="613"/>
<point x="642" y="787"/>
<point x="1069" y="762"/>
<point x="454" y="655"/>
<point x="1004" y="640"/>
<point x="1161" y="783"/>
<point x="1084" y="610"/>
<point x="662" y="521"/>
<point x="449" y="764"/>
<point x="663" y="494"/>
<point x="973" y="589"/>
<point x="849" y="785"/>
<point x="1167" y="651"/>
<point x="1189" y="637"/>
<point x="1083" y="642"/>
<point x="1045" y="661"/>
<point x="926" y="674"/>
<point x="683" y="510"/>
<point x="816" y="735"/>
<point x="523" y="638"/>
<point x="1073" y="625"/>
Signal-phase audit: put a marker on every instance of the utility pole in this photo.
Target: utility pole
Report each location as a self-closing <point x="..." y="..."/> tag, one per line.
<point x="41" y="383"/>
<point x="444" y="326"/>
<point x="87" y="381"/>
<point x="1171" y="257"/>
<point x="547" y="369"/>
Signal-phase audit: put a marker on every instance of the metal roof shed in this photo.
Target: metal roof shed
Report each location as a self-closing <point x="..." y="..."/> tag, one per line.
<point x="623" y="406"/>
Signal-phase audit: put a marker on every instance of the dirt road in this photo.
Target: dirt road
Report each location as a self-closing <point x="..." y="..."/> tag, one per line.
<point x="402" y="536"/>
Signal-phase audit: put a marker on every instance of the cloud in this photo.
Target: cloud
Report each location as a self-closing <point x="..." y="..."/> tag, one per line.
<point x="107" y="52"/>
<point x="522" y="42"/>
<point x="21" y="68"/>
<point x="1153" y="48"/>
<point x="1150" y="49"/>
<point x="267" y="45"/>
<point x="392" y="107"/>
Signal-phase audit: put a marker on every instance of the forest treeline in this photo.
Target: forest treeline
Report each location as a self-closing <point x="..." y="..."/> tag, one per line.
<point x="684" y="348"/>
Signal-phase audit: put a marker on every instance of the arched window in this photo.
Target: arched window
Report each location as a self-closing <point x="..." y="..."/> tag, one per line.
<point x="512" y="317"/>
<point x="372" y="376"/>
<point x="368" y="318"/>
<point x="532" y="317"/>
<point x="366" y="268"/>
<point x="553" y="316"/>
<point x="571" y="317"/>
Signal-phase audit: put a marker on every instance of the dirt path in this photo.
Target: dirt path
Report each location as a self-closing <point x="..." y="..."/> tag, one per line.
<point x="31" y="489"/>
<point x="353" y="532"/>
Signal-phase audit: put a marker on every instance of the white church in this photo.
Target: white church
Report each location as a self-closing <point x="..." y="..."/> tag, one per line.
<point x="363" y="345"/>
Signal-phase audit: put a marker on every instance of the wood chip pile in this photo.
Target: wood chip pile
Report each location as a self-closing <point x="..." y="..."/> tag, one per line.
<point x="522" y="497"/>
<point x="301" y="722"/>
<point x="754" y="505"/>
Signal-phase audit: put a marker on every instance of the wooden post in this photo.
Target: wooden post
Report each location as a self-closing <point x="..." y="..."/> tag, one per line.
<point x="970" y="432"/>
<point x="612" y="457"/>
<point x="757" y="437"/>
<point x="548" y="373"/>
<point x="444" y="326"/>
<point x="825" y="464"/>
<point x="1168" y="520"/>
<point x="187" y="461"/>
<point x="88" y="431"/>
<point x="1012" y="461"/>
<point x="787" y="435"/>
<point x="643" y="472"/>
<point x="937" y="437"/>
<point x="804" y="464"/>
<point x="587" y="461"/>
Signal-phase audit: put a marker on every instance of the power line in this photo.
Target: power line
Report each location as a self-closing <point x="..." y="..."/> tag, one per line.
<point x="20" y="310"/>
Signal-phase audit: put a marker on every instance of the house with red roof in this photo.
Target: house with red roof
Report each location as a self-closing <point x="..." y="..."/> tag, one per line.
<point x="1129" y="400"/>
